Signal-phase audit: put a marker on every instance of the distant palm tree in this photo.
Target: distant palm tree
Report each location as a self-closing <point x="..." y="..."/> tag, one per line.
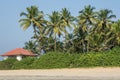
<point x="69" y="43"/>
<point x="31" y="46"/>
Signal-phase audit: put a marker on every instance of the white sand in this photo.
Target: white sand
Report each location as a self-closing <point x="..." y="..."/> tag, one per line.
<point x="90" y="72"/>
<point x="62" y="74"/>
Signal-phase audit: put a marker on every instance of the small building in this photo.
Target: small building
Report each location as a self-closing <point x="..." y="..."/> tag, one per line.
<point x="18" y="53"/>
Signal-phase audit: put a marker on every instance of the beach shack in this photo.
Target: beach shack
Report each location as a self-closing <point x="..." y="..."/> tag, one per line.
<point x="18" y="53"/>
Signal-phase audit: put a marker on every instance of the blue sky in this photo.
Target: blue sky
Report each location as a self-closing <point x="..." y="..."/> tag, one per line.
<point x="12" y="36"/>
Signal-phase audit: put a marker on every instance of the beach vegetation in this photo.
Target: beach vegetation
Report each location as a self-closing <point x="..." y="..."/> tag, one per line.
<point x="56" y="59"/>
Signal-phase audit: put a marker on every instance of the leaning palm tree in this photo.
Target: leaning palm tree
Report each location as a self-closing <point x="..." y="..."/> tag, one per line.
<point x="54" y="26"/>
<point x="33" y="15"/>
<point x="34" y="18"/>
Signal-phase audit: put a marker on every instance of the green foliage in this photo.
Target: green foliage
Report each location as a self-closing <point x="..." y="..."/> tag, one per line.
<point x="7" y="64"/>
<point x="50" y="60"/>
<point x="91" y="30"/>
<point x="23" y="64"/>
<point x="31" y="46"/>
<point x="91" y="59"/>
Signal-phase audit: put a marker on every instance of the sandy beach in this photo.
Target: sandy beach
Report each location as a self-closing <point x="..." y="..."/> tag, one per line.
<point x="62" y="74"/>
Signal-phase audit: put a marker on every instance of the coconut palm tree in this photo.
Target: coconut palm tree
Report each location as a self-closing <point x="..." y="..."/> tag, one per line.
<point x="116" y="32"/>
<point x="34" y="18"/>
<point x="55" y="27"/>
<point x="101" y="36"/>
<point x="104" y="19"/>
<point x="31" y="46"/>
<point x="86" y="20"/>
<point x="87" y="16"/>
<point x="67" y="19"/>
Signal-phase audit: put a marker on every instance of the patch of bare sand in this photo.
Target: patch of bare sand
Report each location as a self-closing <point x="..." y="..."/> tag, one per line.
<point x="90" y="72"/>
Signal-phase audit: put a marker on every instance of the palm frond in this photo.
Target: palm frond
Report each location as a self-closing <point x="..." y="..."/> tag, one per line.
<point x="23" y="14"/>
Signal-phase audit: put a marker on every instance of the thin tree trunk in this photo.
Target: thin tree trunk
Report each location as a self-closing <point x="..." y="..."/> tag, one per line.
<point x="35" y="31"/>
<point x="87" y="46"/>
<point x="55" y="44"/>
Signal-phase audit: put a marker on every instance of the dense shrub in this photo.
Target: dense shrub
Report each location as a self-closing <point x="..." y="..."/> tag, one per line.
<point x="91" y="59"/>
<point x="7" y="64"/>
<point x="53" y="60"/>
<point x="65" y="60"/>
<point x="23" y="64"/>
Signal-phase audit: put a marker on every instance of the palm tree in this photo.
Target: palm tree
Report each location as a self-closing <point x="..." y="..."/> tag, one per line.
<point x="87" y="16"/>
<point x="66" y="17"/>
<point x="101" y="36"/>
<point x="34" y="18"/>
<point x="104" y="19"/>
<point x="67" y="20"/>
<point x="116" y="32"/>
<point x="86" y="20"/>
<point x="54" y="26"/>
<point x="68" y="42"/>
<point x="31" y="46"/>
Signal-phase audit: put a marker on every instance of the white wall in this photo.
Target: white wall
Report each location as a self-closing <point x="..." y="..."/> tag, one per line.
<point x="19" y="58"/>
<point x="5" y="57"/>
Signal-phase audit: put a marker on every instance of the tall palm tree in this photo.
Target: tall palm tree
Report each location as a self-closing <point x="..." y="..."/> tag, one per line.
<point x="101" y="36"/>
<point x="86" y="20"/>
<point x="34" y="18"/>
<point x="54" y="26"/>
<point x="67" y="19"/>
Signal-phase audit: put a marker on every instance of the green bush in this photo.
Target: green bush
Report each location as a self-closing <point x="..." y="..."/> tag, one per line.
<point x="100" y="59"/>
<point x="91" y="59"/>
<point x="53" y="60"/>
<point x="50" y="60"/>
<point x="23" y="64"/>
<point x="7" y="64"/>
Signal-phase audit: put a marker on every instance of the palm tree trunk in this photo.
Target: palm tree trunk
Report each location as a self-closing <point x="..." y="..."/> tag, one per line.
<point x="87" y="46"/>
<point x="83" y="46"/>
<point x="55" y="44"/>
<point x="65" y="39"/>
<point x="35" y="32"/>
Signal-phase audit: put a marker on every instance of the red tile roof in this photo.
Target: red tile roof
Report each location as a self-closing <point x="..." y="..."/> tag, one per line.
<point x="18" y="51"/>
